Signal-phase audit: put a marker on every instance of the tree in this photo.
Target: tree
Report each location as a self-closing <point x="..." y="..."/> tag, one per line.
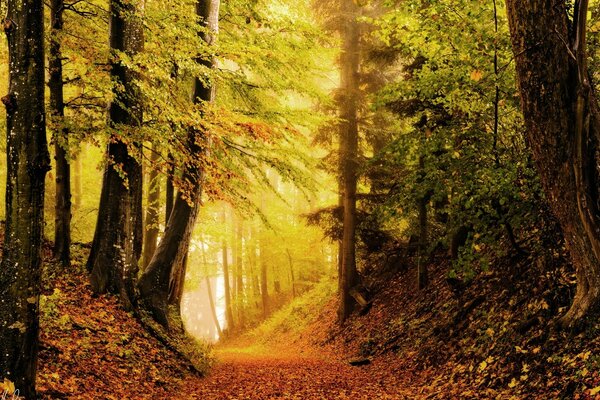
<point x="226" y="275"/>
<point x="62" y="217"/>
<point x="348" y="109"/>
<point x="563" y="130"/>
<point x="154" y="282"/>
<point x="153" y="211"/>
<point x="117" y="243"/>
<point x="28" y="161"/>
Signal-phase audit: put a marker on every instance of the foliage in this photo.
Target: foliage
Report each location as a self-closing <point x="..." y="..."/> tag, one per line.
<point x="462" y="150"/>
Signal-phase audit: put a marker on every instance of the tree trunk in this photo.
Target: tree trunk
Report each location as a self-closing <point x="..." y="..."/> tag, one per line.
<point x="239" y="271"/>
<point x="27" y="163"/>
<point x="264" y="282"/>
<point x="62" y="221"/>
<point x="228" y="310"/>
<point x="153" y="210"/>
<point x="169" y="192"/>
<point x="77" y="192"/>
<point x="154" y="283"/>
<point x="117" y="243"/>
<point x="177" y="282"/>
<point x="563" y="130"/>
<point x="292" y="278"/>
<point x="213" y="309"/>
<point x="349" y="153"/>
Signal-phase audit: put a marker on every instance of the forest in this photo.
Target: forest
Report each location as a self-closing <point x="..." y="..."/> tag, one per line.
<point x="288" y="199"/>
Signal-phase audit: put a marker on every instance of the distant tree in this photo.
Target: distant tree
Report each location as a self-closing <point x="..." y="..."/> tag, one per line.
<point x="174" y="245"/>
<point x="226" y="275"/>
<point x="117" y="243"/>
<point x="563" y="129"/>
<point x="28" y="161"/>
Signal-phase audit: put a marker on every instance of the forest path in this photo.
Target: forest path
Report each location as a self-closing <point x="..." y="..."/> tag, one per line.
<point x="257" y="373"/>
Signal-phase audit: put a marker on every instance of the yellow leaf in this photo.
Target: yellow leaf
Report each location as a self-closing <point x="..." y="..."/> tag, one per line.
<point x="7" y="387"/>
<point x="595" y="391"/>
<point x="482" y="366"/>
<point x="476" y="75"/>
<point x="513" y="383"/>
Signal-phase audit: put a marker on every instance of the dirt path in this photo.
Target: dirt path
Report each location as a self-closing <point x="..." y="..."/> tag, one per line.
<point x="260" y="374"/>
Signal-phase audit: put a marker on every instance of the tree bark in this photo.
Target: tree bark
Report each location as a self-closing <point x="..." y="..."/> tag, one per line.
<point x="350" y="61"/>
<point x="169" y="192"/>
<point x="77" y="189"/>
<point x="27" y="163"/>
<point x="563" y="130"/>
<point x="117" y="243"/>
<point x="154" y="283"/>
<point x="153" y="210"/>
<point x="62" y="219"/>
<point x="177" y="282"/>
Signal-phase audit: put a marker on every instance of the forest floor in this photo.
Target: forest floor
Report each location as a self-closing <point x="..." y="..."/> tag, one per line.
<point x="491" y="339"/>
<point x="271" y="373"/>
<point x="92" y="349"/>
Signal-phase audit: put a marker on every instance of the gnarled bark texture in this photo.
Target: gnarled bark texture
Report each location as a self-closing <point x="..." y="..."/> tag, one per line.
<point x="154" y="282"/>
<point x="562" y="121"/>
<point x="27" y="163"/>
<point x="117" y="244"/>
<point x="62" y="205"/>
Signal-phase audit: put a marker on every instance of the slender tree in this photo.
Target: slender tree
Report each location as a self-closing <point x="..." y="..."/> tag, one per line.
<point x="153" y="211"/>
<point x="117" y="243"/>
<point x="227" y="287"/>
<point x="154" y="283"/>
<point x="27" y="163"/>
<point x="348" y="110"/>
<point x="563" y="130"/>
<point x="264" y="275"/>
<point x="62" y="208"/>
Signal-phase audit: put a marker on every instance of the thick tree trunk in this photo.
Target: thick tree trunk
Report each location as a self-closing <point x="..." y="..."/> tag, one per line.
<point x="62" y="220"/>
<point x="349" y="153"/>
<point x="27" y="163"/>
<point x="563" y="130"/>
<point x="117" y="243"/>
<point x="177" y="282"/>
<point x="154" y="283"/>
<point x="153" y="211"/>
